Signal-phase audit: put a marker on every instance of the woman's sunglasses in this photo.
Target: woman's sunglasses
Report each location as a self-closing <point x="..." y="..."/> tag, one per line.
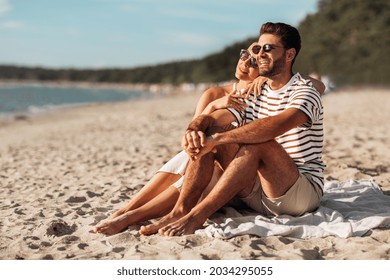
<point x="244" y="55"/>
<point x="266" y="48"/>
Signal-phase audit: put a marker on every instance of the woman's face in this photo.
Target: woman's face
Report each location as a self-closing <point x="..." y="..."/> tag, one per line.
<point x="247" y="68"/>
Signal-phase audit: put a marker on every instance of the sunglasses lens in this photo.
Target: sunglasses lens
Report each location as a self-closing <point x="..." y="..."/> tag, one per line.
<point x="254" y="62"/>
<point x="244" y="54"/>
<point x="267" y="48"/>
<point x="256" y="49"/>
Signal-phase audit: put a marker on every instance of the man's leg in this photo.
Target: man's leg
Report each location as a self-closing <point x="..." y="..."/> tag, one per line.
<point x="160" y="182"/>
<point x="198" y="176"/>
<point x="277" y="170"/>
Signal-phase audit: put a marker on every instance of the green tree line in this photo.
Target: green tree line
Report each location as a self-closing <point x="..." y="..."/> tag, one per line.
<point x="212" y="68"/>
<point x="346" y="40"/>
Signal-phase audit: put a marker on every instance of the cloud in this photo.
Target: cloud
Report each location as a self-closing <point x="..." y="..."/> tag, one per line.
<point x="11" y="24"/>
<point x="5" y="6"/>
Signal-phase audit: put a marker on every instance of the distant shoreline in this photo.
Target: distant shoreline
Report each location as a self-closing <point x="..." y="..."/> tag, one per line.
<point x="159" y="89"/>
<point x="152" y="90"/>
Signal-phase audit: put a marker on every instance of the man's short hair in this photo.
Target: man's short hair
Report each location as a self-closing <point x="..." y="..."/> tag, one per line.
<point x="288" y="34"/>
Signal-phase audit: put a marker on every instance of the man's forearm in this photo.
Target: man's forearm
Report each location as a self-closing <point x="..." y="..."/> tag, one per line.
<point x="262" y="130"/>
<point x="256" y="132"/>
<point x="201" y="123"/>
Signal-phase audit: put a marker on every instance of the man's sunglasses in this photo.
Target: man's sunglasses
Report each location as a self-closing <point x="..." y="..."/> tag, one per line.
<point x="244" y="55"/>
<point x="266" y="48"/>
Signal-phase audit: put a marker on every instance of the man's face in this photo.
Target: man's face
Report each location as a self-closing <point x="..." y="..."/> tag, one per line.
<point x="271" y="61"/>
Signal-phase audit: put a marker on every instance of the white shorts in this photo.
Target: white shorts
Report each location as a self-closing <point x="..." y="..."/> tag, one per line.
<point x="176" y="165"/>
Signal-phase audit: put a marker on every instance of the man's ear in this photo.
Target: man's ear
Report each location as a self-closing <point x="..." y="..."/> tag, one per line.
<point x="291" y="54"/>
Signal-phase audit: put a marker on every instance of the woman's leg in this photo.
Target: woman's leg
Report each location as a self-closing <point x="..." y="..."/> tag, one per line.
<point x="156" y="207"/>
<point x="165" y="177"/>
<point x="160" y="182"/>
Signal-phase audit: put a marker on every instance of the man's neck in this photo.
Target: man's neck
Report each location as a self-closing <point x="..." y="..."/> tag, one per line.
<point x="242" y="84"/>
<point x="280" y="80"/>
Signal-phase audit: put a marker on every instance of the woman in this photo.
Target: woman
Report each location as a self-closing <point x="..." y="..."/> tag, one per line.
<point x="160" y="194"/>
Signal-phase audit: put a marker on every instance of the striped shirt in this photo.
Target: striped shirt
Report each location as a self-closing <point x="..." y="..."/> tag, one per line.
<point x="304" y="143"/>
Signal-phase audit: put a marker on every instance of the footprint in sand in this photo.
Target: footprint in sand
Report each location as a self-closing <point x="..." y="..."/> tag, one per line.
<point x="82" y="246"/>
<point x="76" y="199"/>
<point x="103" y="209"/>
<point x="99" y="218"/>
<point x="118" y="249"/>
<point x="48" y="257"/>
<point x="60" y="228"/>
<point x="33" y="246"/>
<point x="59" y="214"/>
<point x="70" y="239"/>
<point x="312" y="254"/>
<point x="92" y="194"/>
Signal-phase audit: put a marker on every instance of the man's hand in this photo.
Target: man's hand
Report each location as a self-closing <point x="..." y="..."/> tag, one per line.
<point x="194" y="143"/>
<point x="209" y="146"/>
<point x="194" y="139"/>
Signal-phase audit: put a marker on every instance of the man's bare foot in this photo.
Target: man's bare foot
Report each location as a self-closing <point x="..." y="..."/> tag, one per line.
<point x="183" y="226"/>
<point x="167" y="219"/>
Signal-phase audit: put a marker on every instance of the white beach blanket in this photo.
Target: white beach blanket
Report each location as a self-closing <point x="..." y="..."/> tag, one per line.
<point x="347" y="209"/>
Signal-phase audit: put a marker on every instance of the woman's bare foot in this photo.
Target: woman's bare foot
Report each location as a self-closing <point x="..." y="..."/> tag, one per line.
<point x="115" y="225"/>
<point x="116" y="214"/>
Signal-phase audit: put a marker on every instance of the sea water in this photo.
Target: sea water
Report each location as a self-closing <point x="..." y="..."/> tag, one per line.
<point x="25" y="100"/>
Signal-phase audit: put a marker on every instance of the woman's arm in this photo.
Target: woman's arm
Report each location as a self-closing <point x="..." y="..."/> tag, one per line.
<point x="319" y="86"/>
<point x="204" y="105"/>
<point x="218" y="98"/>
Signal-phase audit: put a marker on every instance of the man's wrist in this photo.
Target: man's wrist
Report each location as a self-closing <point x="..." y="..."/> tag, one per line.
<point x="200" y="123"/>
<point x="213" y="138"/>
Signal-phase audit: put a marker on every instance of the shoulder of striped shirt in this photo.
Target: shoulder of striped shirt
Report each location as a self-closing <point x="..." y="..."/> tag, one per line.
<point x="303" y="89"/>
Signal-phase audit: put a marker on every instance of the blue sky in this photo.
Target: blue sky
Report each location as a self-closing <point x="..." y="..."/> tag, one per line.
<point x="129" y="33"/>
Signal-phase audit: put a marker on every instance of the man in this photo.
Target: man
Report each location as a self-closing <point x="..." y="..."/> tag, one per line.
<point x="273" y="161"/>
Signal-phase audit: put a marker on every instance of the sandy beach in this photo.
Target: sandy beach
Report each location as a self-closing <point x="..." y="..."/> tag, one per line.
<point x="62" y="173"/>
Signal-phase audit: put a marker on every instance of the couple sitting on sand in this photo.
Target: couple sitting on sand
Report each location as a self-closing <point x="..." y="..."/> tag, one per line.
<point x="258" y="140"/>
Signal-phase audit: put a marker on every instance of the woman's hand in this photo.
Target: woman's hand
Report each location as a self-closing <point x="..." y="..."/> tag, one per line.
<point x="255" y="87"/>
<point x="231" y="100"/>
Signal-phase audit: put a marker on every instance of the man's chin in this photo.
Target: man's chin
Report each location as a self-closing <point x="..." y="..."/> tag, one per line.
<point x="266" y="74"/>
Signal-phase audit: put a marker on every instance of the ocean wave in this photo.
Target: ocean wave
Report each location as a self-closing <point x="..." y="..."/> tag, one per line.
<point x="19" y="102"/>
<point x="34" y="110"/>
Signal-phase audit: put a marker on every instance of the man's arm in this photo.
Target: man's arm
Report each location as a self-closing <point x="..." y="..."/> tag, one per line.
<point x="261" y="130"/>
<point x="195" y="136"/>
<point x="258" y="131"/>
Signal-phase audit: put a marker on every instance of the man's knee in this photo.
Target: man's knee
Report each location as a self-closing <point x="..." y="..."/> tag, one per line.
<point x="259" y="147"/>
<point x="225" y="154"/>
